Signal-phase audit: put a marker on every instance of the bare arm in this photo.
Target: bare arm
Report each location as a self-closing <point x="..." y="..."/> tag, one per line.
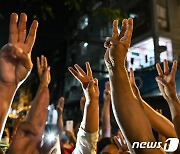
<point x="106" y="124"/>
<point x="88" y="133"/>
<point x="60" y="108"/>
<point x="29" y="134"/>
<point x="90" y="121"/>
<point x="128" y="112"/>
<point x="167" y="86"/>
<point x="158" y="122"/>
<point x="15" y="62"/>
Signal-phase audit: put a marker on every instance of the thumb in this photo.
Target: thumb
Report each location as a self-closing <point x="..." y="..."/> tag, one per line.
<point x="96" y="81"/>
<point x="24" y="58"/>
<point x="162" y="81"/>
<point x="90" y="84"/>
<point x="96" y="84"/>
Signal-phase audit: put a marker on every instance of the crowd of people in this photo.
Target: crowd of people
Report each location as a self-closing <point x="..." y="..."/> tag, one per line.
<point x="133" y="115"/>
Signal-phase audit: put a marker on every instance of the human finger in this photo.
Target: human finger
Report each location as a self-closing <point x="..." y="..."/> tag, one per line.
<point x="107" y="86"/>
<point x="89" y="71"/>
<point x="115" y="29"/>
<point x="32" y="35"/>
<point x="38" y="63"/>
<point x="174" y="68"/>
<point x="159" y="70"/>
<point x="132" y="78"/>
<point x="22" y="28"/>
<point x="126" y="39"/>
<point x="45" y="62"/>
<point x="13" y="30"/>
<point x="80" y="70"/>
<point x="42" y="61"/>
<point x="74" y="73"/>
<point x="61" y="102"/>
<point x="123" y="28"/>
<point x="166" y="67"/>
<point x="162" y="81"/>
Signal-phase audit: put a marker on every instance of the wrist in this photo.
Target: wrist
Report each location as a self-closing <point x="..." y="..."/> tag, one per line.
<point x="91" y="103"/>
<point x="8" y="86"/>
<point x="43" y="85"/>
<point x="173" y="99"/>
<point x="92" y="100"/>
<point x="118" y="67"/>
<point x="7" y="92"/>
<point x="107" y="102"/>
<point x="60" y="116"/>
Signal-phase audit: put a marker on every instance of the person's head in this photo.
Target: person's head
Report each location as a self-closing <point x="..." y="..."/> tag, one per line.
<point x="107" y="145"/>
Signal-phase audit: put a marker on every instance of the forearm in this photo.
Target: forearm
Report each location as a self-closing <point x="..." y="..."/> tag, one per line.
<point x="7" y="93"/>
<point x="60" y="124"/>
<point x="159" y="122"/>
<point x="38" y="113"/>
<point x="106" y="124"/>
<point x="90" y="121"/>
<point x="73" y="139"/>
<point x="126" y="107"/>
<point x="174" y="106"/>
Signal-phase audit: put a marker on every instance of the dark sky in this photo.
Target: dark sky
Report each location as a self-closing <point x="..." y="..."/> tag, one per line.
<point x="51" y="31"/>
<point x="54" y="28"/>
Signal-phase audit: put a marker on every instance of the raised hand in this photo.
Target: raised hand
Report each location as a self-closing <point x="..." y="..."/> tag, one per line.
<point x="43" y="71"/>
<point x="82" y="103"/>
<point x="107" y="92"/>
<point x="90" y="121"/>
<point x="117" y="45"/>
<point x="15" y="62"/>
<point x="15" y="56"/>
<point x="60" y="106"/>
<point x="85" y="80"/>
<point x="121" y="144"/>
<point x="106" y="124"/>
<point x="166" y="81"/>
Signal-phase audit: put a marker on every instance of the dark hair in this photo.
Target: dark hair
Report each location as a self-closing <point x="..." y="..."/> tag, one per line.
<point x="103" y="143"/>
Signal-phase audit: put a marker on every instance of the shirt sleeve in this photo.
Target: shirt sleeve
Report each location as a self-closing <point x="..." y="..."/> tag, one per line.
<point x="86" y="142"/>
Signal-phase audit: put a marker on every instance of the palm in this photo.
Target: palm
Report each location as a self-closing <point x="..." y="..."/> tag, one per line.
<point x="81" y="76"/>
<point x="15" y="57"/>
<point x="166" y="80"/>
<point x="170" y="80"/>
<point x="85" y="80"/>
<point x="43" y="70"/>
<point x="12" y="70"/>
<point x="117" y="45"/>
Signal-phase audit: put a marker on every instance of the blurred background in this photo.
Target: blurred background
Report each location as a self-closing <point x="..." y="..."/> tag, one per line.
<point x="74" y="31"/>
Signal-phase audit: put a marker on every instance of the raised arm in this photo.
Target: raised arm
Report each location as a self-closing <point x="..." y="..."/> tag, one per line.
<point x="167" y="86"/>
<point x="88" y="133"/>
<point x="29" y="134"/>
<point x="128" y="112"/>
<point x="106" y="123"/>
<point x="60" y="108"/>
<point x="158" y="122"/>
<point x="82" y="103"/>
<point x="41" y="113"/>
<point x="15" y="62"/>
